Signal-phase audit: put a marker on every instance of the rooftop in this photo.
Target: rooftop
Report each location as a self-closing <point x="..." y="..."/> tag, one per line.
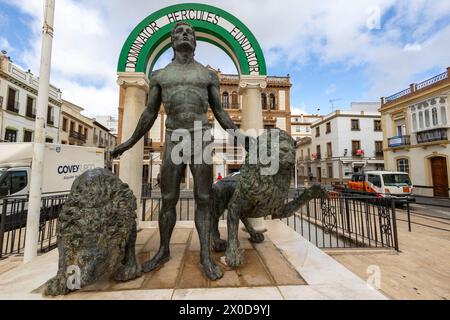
<point x="417" y="87"/>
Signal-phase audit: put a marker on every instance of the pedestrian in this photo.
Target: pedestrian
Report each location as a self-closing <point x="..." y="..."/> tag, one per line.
<point x="219" y="177"/>
<point x="158" y="180"/>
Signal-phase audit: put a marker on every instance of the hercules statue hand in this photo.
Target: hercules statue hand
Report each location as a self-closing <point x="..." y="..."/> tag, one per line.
<point x="119" y="150"/>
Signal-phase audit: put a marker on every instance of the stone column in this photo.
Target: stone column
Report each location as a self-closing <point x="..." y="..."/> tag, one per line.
<point x="252" y="117"/>
<point x="136" y="87"/>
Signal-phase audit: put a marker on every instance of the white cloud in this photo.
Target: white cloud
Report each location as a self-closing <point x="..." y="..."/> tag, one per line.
<point x="298" y="110"/>
<point x="89" y="36"/>
<point x="5" y="45"/>
<point x="413" y="47"/>
<point x="331" y="89"/>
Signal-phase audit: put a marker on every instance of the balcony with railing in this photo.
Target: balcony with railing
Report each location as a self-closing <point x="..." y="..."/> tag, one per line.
<point x="432" y="135"/>
<point x="13" y="106"/>
<point x="31" y="113"/>
<point x="358" y="152"/>
<point x="417" y="87"/>
<point x="77" y="136"/>
<point x="399" y="141"/>
<point x="379" y="154"/>
<point x="51" y="120"/>
<point x="317" y="156"/>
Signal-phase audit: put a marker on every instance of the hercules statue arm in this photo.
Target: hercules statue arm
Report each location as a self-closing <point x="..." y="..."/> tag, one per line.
<point x="222" y="116"/>
<point x="145" y="123"/>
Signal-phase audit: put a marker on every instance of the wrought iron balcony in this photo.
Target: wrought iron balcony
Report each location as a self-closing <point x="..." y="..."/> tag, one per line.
<point x="399" y="141"/>
<point x="14" y="107"/>
<point x="77" y="136"/>
<point x="358" y="152"/>
<point x="31" y="113"/>
<point x="432" y="135"/>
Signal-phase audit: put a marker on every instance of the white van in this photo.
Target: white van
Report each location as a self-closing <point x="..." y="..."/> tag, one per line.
<point x="382" y="184"/>
<point x="62" y="165"/>
<point x="390" y="183"/>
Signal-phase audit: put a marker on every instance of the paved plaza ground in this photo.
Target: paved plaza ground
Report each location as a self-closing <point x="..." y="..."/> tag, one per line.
<point x="421" y="270"/>
<point x="284" y="266"/>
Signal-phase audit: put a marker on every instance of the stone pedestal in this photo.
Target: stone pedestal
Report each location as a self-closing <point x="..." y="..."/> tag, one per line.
<point x="136" y="86"/>
<point x="252" y="117"/>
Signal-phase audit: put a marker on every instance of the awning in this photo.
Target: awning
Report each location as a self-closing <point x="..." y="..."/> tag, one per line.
<point x="375" y="161"/>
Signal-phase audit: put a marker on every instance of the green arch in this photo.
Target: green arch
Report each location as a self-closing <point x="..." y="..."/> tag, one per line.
<point x="151" y="38"/>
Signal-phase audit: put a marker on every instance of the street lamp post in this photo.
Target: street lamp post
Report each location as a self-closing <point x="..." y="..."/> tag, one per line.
<point x="34" y="206"/>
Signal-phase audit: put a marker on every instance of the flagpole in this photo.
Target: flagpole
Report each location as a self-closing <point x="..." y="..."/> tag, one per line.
<point x="37" y="166"/>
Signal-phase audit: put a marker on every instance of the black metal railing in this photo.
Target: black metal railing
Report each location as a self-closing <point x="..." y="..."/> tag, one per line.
<point x="78" y="136"/>
<point x="432" y="135"/>
<point x="399" y="141"/>
<point x="341" y="221"/>
<point x="13" y="106"/>
<point x="347" y="221"/>
<point x="13" y="221"/>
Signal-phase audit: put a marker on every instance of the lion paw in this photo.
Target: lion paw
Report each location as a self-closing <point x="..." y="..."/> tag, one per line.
<point x="257" y="237"/>
<point x="233" y="258"/>
<point x="220" y="245"/>
<point x="211" y="270"/>
<point x="56" y="286"/>
<point x="126" y="273"/>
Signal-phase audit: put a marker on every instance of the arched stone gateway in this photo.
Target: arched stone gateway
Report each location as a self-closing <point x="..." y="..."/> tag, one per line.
<point x="152" y="37"/>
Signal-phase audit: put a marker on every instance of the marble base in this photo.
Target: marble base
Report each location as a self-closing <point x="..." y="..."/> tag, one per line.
<point x="325" y="278"/>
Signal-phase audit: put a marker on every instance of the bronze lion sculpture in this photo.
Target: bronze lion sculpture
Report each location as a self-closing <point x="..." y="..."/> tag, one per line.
<point x="96" y="233"/>
<point x="252" y="194"/>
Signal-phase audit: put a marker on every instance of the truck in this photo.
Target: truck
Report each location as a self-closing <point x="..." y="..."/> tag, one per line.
<point x="381" y="184"/>
<point x="62" y="165"/>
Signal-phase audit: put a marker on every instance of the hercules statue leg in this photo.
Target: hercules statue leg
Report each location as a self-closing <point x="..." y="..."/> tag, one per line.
<point x="203" y="179"/>
<point x="170" y="192"/>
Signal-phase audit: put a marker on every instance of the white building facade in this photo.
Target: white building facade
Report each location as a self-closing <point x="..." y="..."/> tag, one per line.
<point x="416" y="125"/>
<point x="301" y="125"/>
<point x="109" y="122"/>
<point x="18" y="98"/>
<point x="342" y="143"/>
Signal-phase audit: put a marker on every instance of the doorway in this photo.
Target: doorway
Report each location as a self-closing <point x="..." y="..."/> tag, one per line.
<point x="439" y="174"/>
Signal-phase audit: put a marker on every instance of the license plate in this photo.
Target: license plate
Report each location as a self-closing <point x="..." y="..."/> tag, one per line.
<point x="405" y="189"/>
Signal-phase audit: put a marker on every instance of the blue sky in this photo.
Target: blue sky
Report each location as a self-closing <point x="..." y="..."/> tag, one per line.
<point x="342" y="50"/>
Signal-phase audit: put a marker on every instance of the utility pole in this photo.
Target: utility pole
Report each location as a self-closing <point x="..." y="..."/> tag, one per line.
<point x="34" y="205"/>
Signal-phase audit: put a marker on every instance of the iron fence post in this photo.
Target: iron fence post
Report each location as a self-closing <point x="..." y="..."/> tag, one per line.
<point x="409" y="214"/>
<point x="394" y="225"/>
<point x="2" y="224"/>
<point x="144" y="209"/>
<point x="347" y="215"/>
